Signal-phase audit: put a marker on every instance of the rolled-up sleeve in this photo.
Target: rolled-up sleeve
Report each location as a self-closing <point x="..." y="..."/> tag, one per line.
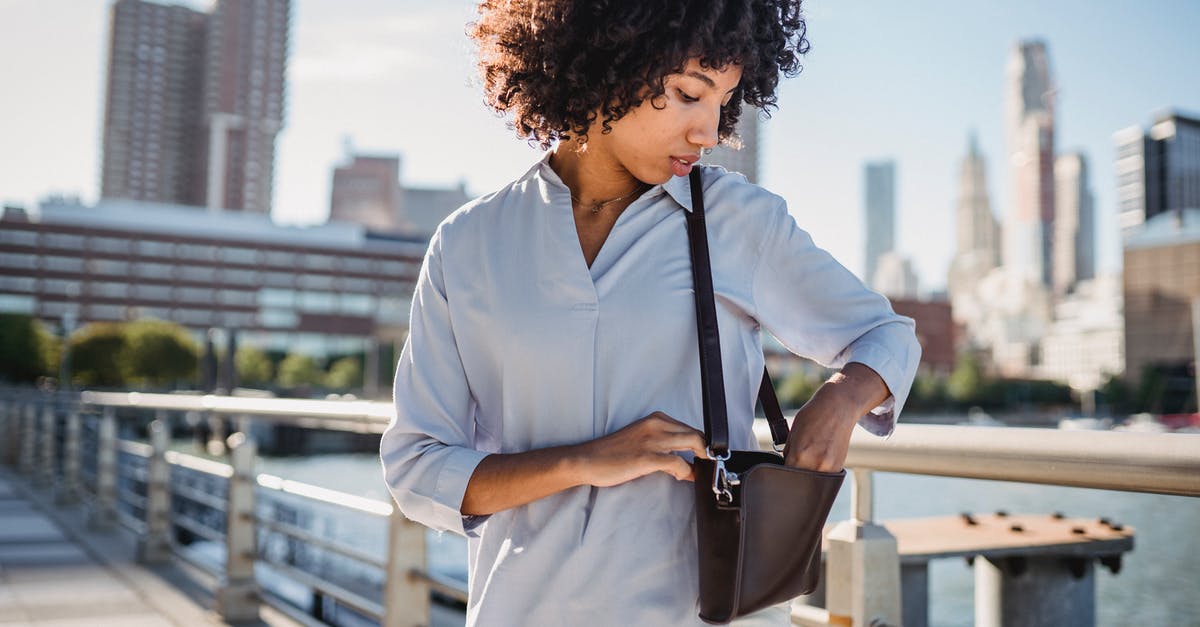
<point x="818" y="309"/>
<point x="427" y="451"/>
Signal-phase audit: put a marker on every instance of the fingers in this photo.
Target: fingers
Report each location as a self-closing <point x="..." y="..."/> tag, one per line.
<point x="675" y="466"/>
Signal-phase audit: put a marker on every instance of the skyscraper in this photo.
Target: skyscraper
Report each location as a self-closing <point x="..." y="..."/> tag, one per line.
<point x="976" y="226"/>
<point x="153" y="101"/>
<point x="1028" y="223"/>
<point x="1074" y="226"/>
<point x="245" y="61"/>
<point x="880" y="219"/>
<point x="1158" y="171"/>
<point x="745" y="159"/>
<point x="194" y="102"/>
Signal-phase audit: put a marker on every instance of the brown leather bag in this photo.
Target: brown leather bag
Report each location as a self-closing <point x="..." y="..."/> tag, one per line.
<point x="758" y="522"/>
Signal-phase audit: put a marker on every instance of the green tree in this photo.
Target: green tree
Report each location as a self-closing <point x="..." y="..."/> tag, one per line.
<point x="95" y="349"/>
<point x="158" y="353"/>
<point x="928" y="391"/>
<point x="27" y="349"/>
<point x="297" y="370"/>
<point x="253" y="366"/>
<point x="966" y="382"/>
<point x="1116" y="395"/>
<point x="797" y="388"/>
<point x="345" y="374"/>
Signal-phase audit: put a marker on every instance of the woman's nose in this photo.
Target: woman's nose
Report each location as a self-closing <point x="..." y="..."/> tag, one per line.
<point x="703" y="131"/>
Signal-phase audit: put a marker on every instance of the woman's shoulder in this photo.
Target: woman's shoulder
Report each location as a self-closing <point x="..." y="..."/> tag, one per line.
<point x="729" y="194"/>
<point x="483" y="213"/>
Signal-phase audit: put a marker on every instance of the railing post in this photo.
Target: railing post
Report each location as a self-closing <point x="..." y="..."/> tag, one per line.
<point x="104" y="508"/>
<point x="25" y="457"/>
<point x="863" y="569"/>
<point x="237" y="597"/>
<point x="68" y="493"/>
<point x="46" y="459"/>
<point x="405" y="591"/>
<point x="10" y="411"/>
<point x="154" y="546"/>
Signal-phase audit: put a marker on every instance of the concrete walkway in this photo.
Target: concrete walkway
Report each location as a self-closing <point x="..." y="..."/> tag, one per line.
<point x="55" y="571"/>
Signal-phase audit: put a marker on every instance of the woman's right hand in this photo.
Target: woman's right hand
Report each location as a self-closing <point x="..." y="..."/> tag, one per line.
<point x="643" y="447"/>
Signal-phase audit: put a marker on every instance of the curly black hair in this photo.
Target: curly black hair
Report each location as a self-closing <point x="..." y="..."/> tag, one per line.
<point x="555" y="64"/>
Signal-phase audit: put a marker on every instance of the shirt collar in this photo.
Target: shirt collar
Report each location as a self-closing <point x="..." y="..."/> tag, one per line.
<point x="678" y="187"/>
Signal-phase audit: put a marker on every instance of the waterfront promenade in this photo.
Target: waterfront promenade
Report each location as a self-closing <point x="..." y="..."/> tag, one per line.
<point x="55" y="571"/>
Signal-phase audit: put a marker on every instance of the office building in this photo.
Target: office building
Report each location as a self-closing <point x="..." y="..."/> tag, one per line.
<point x="879" y="192"/>
<point x="194" y="103"/>
<point x="895" y="277"/>
<point x="324" y="290"/>
<point x="1029" y="108"/>
<point x="1162" y="306"/>
<point x="744" y="159"/>
<point x="1159" y="170"/>
<point x="1085" y="344"/>
<point x="1074" y="223"/>
<point x="367" y="191"/>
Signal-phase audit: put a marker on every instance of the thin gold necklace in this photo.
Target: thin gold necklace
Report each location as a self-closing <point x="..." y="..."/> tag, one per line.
<point x="597" y="206"/>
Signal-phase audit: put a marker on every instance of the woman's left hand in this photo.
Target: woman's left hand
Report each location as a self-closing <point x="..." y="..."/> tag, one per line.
<point x="820" y="434"/>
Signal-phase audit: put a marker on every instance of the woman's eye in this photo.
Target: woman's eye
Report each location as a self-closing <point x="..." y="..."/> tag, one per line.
<point x="687" y="98"/>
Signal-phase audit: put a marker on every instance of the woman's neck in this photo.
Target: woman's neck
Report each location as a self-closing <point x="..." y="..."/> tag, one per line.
<point x="591" y="174"/>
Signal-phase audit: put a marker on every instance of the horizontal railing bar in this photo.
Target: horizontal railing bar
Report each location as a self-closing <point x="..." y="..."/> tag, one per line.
<point x="138" y="449"/>
<point x="199" y="464"/>
<point x="441" y="585"/>
<point x="194" y="526"/>
<point x="325" y="495"/>
<point x="131" y="523"/>
<point x="309" y="538"/>
<point x="1162" y="463"/>
<point x="356" y="601"/>
<point x="368" y="412"/>
<point x="209" y="569"/>
<point x="287" y="609"/>
<point x="199" y="496"/>
<point x="132" y="498"/>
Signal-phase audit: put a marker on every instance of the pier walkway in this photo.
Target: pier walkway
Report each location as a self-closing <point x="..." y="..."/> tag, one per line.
<point x="54" y="571"/>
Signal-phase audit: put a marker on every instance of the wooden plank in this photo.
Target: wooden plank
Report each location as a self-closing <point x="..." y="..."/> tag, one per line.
<point x="921" y="539"/>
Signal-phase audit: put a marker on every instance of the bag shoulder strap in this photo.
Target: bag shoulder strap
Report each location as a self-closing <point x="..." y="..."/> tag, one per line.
<point x="712" y="381"/>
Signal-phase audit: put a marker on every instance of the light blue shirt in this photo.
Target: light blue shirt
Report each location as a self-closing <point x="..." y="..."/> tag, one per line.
<point x="516" y="344"/>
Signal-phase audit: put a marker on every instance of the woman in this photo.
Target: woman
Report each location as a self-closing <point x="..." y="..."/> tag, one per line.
<point x="548" y="396"/>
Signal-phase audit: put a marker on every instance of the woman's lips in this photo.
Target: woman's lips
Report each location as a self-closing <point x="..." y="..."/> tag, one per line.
<point x="682" y="165"/>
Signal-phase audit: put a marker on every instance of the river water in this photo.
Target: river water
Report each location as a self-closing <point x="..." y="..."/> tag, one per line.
<point x="1158" y="584"/>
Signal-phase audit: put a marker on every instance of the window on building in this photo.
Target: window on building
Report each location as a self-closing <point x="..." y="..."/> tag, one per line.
<point x="278" y="318"/>
<point x="55" y="263"/>
<point x="277" y="298"/>
<point x="235" y="254"/>
<point x="20" y="261"/>
<point x="318" y="302"/>
<point x="19" y="238"/>
<point x="63" y="241"/>
<point x="17" y="303"/>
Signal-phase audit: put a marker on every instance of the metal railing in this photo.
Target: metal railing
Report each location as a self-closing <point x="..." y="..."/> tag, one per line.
<point x="1139" y="462"/>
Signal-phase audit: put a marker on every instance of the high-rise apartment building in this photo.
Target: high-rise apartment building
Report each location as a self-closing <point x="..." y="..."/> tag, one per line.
<point x="194" y="103"/>
<point x="1029" y="104"/>
<point x="367" y="191"/>
<point x="1158" y="171"/>
<point x="745" y="159"/>
<point x="1074" y="223"/>
<point x="153" y="106"/>
<point x="880" y="202"/>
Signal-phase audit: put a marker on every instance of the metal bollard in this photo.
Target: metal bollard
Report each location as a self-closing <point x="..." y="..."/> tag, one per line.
<point x="863" y="569"/>
<point x="104" y="507"/>
<point x="25" y="457"/>
<point x="405" y="595"/>
<point x="68" y="492"/>
<point x="237" y="595"/>
<point x="46" y="459"/>
<point x="154" y="547"/>
<point x="9" y="414"/>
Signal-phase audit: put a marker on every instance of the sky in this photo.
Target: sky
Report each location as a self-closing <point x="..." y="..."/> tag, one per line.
<point x="905" y="81"/>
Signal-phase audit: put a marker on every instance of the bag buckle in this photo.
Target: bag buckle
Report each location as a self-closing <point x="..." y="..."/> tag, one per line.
<point x="723" y="479"/>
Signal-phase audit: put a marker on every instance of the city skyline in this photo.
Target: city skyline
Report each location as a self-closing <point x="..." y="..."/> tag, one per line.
<point x="397" y="77"/>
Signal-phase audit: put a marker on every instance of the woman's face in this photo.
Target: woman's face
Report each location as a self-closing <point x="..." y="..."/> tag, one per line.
<point x="660" y="139"/>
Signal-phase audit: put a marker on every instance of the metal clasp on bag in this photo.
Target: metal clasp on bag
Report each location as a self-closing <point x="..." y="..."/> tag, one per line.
<point x="723" y="479"/>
